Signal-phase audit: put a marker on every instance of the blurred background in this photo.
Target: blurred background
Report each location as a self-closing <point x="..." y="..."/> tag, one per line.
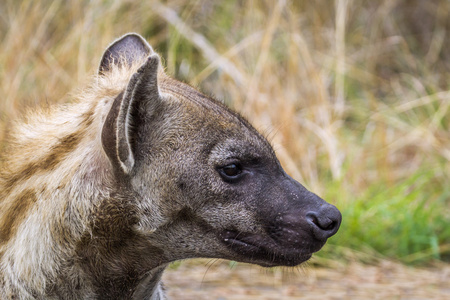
<point x="354" y="96"/>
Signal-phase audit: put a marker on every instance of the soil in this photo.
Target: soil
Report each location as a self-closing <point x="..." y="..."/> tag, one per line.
<point x="222" y="280"/>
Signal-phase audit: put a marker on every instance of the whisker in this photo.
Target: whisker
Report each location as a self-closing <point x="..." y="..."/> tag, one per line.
<point x="209" y="264"/>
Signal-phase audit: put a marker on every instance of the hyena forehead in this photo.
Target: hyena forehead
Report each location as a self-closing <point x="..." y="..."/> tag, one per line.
<point x="223" y="131"/>
<point x="252" y="148"/>
<point x="227" y="135"/>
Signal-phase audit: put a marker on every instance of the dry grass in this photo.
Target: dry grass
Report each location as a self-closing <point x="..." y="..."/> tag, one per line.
<point x="353" y="94"/>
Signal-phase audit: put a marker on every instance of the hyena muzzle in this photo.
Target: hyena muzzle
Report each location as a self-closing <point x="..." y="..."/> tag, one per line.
<point x="98" y="196"/>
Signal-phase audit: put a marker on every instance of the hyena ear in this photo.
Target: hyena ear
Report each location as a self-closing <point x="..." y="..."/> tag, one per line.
<point x="125" y="50"/>
<point x="119" y="130"/>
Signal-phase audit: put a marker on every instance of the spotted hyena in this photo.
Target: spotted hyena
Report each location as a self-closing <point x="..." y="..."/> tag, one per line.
<point x="98" y="196"/>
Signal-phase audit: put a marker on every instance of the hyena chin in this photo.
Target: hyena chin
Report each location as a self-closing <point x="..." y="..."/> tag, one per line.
<point x="98" y="196"/>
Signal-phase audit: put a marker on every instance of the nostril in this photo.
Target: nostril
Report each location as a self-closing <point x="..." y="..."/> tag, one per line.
<point x="313" y="218"/>
<point x="323" y="223"/>
<point x="331" y="226"/>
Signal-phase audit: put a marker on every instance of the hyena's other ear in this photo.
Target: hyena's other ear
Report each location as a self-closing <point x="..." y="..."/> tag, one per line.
<point x="125" y="50"/>
<point x="120" y="128"/>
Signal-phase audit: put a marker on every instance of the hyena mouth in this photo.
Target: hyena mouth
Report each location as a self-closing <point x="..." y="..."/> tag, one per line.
<point x="264" y="251"/>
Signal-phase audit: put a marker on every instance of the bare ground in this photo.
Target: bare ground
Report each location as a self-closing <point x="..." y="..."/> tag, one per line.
<point x="217" y="280"/>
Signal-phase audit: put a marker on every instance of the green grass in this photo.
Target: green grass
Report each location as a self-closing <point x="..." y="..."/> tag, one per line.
<point x="355" y="96"/>
<point x="408" y="221"/>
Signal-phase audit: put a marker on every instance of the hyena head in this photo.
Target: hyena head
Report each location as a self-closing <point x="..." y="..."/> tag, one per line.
<point x="203" y="181"/>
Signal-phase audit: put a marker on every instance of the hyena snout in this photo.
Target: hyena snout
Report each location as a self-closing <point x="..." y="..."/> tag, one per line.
<point x="296" y="223"/>
<point x="303" y="221"/>
<point x="298" y="227"/>
<point x="324" y="222"/>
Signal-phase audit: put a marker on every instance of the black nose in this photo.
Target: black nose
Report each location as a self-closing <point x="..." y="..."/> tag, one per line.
<point x="325" y="221"/>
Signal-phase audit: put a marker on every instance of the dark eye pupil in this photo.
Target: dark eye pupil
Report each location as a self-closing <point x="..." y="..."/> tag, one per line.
<point x="231" y="170"/>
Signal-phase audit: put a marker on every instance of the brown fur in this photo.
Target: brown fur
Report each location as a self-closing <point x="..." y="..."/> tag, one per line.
<point x="15" y="214"/>
<point x="53" y="158"/>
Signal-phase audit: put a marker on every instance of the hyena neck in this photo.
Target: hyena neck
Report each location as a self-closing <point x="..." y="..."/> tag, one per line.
<point x="119" y="261"/>
<point x="60" y="167"/>
<point x="115" y="260"/>
<point x="122" y="272"/>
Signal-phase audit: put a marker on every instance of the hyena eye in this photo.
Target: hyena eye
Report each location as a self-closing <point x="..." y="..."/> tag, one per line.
<point x="231" y="172"/>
